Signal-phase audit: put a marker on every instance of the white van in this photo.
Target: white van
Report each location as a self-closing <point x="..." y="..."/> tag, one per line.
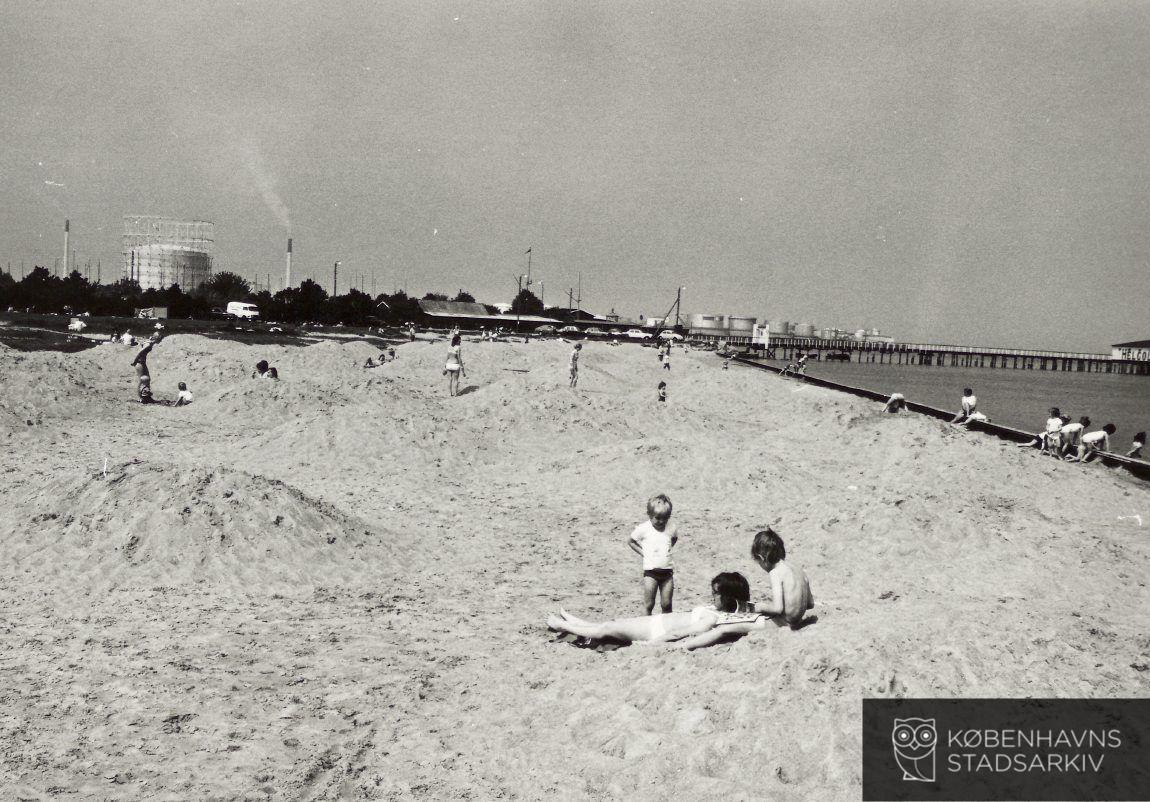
<point x="244" y="310"/>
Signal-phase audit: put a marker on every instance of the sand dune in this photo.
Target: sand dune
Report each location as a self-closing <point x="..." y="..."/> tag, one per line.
<point x="334" y="585"/>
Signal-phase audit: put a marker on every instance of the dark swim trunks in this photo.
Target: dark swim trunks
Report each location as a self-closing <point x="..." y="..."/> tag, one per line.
<point x="660" y="574"/>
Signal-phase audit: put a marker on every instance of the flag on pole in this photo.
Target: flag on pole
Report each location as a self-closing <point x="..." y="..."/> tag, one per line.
<point x="527" y="251"/>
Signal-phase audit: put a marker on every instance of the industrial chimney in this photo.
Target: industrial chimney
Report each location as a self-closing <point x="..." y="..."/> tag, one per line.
<point x="66" y="251"/>
<point x="287" y="277"/>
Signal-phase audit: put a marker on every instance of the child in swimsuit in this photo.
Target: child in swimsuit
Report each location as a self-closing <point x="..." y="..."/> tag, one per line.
<point x="653" y="541"/>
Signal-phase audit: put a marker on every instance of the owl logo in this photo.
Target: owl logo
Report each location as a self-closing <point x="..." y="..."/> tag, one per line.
<point x="914" y="742"/>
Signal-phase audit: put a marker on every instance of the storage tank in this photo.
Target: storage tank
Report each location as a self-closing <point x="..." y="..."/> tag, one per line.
<point x="778" y="327"/>
<point x="159" y="252"/>
<point x="804" y="330"/>
<point x="860" y="334"/>
<point x="740" y="326"/>
<point x="708" y="321"/>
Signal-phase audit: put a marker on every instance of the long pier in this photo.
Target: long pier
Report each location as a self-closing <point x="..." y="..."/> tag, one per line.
<point x="961" y="356"/>
<point x="1135" y="467"/>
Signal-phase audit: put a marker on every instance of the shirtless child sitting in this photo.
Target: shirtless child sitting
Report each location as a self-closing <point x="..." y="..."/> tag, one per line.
<point x="791" y="595"/>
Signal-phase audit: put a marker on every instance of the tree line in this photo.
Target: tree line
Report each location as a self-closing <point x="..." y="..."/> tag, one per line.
<point x="40" y="291"/>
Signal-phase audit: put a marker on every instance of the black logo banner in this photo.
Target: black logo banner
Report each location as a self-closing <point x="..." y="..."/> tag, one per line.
<point x="1006" y="749"/>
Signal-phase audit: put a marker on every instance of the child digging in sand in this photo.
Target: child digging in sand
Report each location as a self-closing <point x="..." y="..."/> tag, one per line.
<point x="653" y="542"/>
<point x="791" y="595"/>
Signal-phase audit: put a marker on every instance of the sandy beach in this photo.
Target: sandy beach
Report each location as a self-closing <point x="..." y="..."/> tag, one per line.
<point x="334" y="586"/>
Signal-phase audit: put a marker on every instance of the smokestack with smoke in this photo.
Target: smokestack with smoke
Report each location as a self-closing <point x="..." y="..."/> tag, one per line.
<point x="287" y="276"/>
<point x="66" y="251"/>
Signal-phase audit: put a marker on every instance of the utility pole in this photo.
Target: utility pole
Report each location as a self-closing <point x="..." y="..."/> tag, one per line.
<point x="335" y="279"/>
<point x="518" y="306"/>
<point x="97" y="271"/>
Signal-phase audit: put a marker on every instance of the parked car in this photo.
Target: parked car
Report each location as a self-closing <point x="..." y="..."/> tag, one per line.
<point x="570" y="330"/>
<point x="637" y="334"/>
<point x="219" y="314"/>
<point x="668" y="335"/>
<point x="545" y="329"/>
<point x="843" y="356"/>
<point x="594" y="331"/>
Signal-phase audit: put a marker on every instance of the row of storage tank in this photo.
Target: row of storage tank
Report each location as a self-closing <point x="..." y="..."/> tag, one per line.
<point x="736" y="326"/>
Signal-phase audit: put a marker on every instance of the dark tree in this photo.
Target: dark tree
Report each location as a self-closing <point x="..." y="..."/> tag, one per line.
<point x="526" y="303"/>
<point x="224" y="287"/>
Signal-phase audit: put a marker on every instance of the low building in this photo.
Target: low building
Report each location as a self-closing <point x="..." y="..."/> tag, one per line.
<point x="447" y="314"/>
<point x="1137" y="351"/>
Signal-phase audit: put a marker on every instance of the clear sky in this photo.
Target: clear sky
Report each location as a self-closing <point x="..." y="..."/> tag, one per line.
<point x="965" y="172"/>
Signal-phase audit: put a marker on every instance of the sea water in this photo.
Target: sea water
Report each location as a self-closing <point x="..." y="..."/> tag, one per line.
<point x="1017" y="398"/>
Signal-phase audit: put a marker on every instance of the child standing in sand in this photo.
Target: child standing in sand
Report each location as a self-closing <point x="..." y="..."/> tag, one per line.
<point x="791" y="595"/>
<point x="653" y="541"/>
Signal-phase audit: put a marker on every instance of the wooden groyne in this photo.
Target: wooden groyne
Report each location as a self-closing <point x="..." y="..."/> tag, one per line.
<point x="960" y="356"/>
<point x="1136" y="467"/>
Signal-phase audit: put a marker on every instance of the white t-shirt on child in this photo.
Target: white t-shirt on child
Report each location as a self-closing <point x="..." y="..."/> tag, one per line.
<point x="969" y="404"/>
<point x="185" y="396"/>
<point x="656" y="545"/>
<point x="1098" y="439"/>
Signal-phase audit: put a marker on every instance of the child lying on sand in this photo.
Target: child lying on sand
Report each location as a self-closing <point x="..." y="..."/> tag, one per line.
<point x="730" y="615"/>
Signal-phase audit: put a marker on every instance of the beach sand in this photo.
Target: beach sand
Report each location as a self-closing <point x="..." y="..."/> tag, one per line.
<point x="335" y="585"/>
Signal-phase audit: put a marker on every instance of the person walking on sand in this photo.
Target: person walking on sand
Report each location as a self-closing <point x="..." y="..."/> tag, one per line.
<point x="969" y="405"/>
<point x="454" y="367"/>
<point x="575" y="363"/>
